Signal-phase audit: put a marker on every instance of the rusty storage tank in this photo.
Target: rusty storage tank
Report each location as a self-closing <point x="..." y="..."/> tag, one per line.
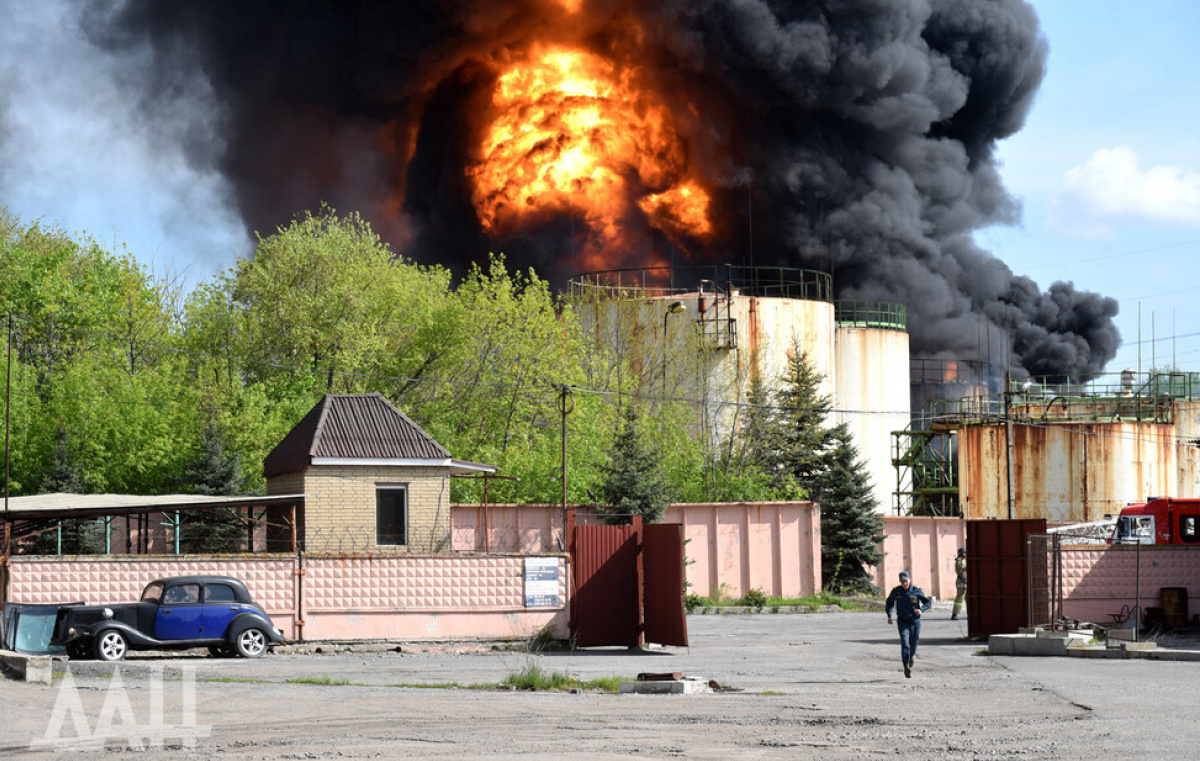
<point x="871" y="395"/>
<point x="1079" y="453"/>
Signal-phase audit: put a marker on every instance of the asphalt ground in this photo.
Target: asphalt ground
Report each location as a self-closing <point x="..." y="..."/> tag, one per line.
<point x="824" y="686"/>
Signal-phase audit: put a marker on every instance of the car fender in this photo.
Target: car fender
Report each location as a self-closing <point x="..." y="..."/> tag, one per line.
<point x="132" y="636"/>
<point x="247" y="619"/>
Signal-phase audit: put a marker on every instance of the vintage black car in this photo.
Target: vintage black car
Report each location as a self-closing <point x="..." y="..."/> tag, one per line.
<point x="174" y="614"/>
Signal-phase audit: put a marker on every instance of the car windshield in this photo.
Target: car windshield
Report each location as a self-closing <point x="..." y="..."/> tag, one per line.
<point x="152" y="592"/>
<point x="28" y="628"/>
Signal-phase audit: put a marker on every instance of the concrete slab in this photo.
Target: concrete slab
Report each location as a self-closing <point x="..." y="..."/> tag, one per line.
<point x="686" y="686"/>
<point x="1038" y="643"/>
<point x="37" y="669"/>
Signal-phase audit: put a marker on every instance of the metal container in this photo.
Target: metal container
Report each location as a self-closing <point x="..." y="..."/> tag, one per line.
<point x="1068" y="472"/>
<point x="872" y="397"/>
<point x="1174" y="607"/>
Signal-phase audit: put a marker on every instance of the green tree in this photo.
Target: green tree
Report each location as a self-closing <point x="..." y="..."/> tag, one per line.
<point x="632" y="481"/>
<point x="822" y="459"/>
<point x="804" y="438"/>
<point x="325" y="296"/>
<point x="213" y="470"/>
<point x="851" y="526"/>
<point x="65" y="475"/>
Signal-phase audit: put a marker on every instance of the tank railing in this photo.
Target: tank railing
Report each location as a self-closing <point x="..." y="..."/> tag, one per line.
<point x="871" y="314"/>
<point x="650" y="282"/>
<point x="955" y="371"/>
<point x="1127" y="383"/>
<point x="952" y="413"/>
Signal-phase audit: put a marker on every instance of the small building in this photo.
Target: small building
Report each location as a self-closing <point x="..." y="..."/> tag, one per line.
<point x="373" y="480"/>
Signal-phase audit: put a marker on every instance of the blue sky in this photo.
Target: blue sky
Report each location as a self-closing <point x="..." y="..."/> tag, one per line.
<point x="1107" y="168"/>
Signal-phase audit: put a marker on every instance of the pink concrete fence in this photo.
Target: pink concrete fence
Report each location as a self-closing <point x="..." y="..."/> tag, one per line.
<point x="99" y="580"/>
<point x="437" y="596"/>
<point x="337" y="597"/>
<point x="925" y="547"/>
<point x="1097" y="582"/>
<point x="731" y="549"/>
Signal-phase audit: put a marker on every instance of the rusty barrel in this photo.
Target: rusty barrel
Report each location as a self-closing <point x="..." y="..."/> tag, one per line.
<point x="1174" y="607"/>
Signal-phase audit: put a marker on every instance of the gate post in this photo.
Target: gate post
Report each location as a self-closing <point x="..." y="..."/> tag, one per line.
<point x="569" y="528"/>
<point x="641" y="581"/>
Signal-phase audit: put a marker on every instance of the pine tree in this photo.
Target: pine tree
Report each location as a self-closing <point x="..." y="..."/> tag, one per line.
<point x="851" y="527"/>
<point x="804" y="439"/>
<point x="757" y="438"/>
<point x="633" y="482"/>
<point x="823" y="460"/>
<point x="213" y="470"/>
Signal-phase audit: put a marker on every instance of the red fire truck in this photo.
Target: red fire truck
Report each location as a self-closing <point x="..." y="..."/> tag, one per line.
<point x="1161" y="520"/>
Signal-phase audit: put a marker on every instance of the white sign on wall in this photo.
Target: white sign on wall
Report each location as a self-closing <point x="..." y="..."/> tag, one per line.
<point x="541" y="582"/>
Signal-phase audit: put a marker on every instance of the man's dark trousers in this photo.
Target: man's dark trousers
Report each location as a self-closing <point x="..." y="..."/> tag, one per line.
<point x="910" y="637"/>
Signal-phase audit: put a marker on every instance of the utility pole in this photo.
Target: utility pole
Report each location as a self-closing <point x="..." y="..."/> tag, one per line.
<point x="4" y="553"/>
<point x="1008" y="442"/>
<point x="566" y="406"/>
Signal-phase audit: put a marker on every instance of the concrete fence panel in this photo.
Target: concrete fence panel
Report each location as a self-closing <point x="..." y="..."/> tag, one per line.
<point x="425" y="597"/>
<point x="925" y="546"/>
<point x="100" y="579"/>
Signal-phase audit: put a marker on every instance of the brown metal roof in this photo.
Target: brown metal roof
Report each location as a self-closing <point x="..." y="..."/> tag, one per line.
<point x="352" y="426"/>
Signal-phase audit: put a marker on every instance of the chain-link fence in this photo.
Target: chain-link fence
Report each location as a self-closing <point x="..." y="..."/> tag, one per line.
<point x="1139" y="589"/>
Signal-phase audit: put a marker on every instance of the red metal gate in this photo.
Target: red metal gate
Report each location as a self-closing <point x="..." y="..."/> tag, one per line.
<point x="665" y="612"/>
<point x="609" y="604"/>
<point x="997" y="575"/>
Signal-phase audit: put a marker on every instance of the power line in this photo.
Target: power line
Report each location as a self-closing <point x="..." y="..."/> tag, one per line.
<point x="1107" y="257"/>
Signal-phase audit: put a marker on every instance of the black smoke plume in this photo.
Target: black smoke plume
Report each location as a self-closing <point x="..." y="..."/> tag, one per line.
<point x="852" y="136"/>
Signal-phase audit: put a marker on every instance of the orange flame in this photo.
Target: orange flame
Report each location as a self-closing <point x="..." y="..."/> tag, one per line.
<point x="572" y="133"/>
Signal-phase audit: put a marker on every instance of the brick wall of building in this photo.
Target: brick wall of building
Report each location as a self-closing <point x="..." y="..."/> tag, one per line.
<point x="339" y="506"/>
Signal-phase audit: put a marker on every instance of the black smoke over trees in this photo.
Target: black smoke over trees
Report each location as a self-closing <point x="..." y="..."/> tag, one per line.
<point x="853" y="137"/>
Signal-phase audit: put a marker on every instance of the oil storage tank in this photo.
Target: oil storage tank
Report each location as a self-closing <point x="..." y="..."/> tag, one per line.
<point x="872" y="390"/>
<point x="702" y="333"/>
<point x="1080" y="452"/>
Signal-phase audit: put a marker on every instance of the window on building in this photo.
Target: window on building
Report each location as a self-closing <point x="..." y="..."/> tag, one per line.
<point x="391" y="515"/>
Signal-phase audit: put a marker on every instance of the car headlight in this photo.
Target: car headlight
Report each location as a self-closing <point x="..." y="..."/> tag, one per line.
<point x="108" y="613"/>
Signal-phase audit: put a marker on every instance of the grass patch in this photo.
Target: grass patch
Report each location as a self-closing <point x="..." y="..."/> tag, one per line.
<point x="317" y="680"/>
<point x="770" y="692"/>
<point x="534" y="677"/>
<point x="442" y="686"/>
<point x="759" y="601"/>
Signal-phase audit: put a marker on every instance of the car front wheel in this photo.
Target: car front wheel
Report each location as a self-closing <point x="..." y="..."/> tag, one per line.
<point x="110" y="646"/>
<point x="251" y="643"/>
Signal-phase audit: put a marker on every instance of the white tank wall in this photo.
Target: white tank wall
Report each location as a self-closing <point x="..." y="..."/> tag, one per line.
<point x="1187" y="458"/>
<point x="872" y="398"/>
<point x="864" y="370"/>
<point x="767" y="330"/>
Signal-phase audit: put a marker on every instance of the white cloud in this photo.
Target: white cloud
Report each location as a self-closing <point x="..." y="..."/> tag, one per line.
<point x="1112" y="189"/>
